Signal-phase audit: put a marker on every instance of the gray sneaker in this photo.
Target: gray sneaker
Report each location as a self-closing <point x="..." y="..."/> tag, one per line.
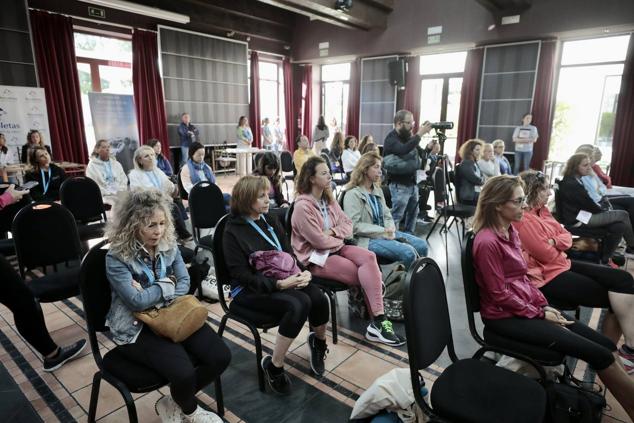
<point x="64" y="355"/>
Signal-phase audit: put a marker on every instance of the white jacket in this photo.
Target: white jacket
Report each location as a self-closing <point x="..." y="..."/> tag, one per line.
<point x="145" y="179"/>
<point x="349" y="159"/>
<point x="97" y="171"/>
<point x="489" y="168"/>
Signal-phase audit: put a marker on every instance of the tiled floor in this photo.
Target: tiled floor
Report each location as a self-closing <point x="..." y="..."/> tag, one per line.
<point x="28" y="394"/>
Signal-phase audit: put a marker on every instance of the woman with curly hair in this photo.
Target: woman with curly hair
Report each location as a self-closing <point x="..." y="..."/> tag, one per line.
<point x="145" y="269"/>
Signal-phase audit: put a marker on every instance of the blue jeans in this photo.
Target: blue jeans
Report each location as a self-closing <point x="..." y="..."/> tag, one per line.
<point x="184" y="154"/>
<point x="395" y="250"/>
<point x="522" y="158"/>
<point x="404" y="206"/>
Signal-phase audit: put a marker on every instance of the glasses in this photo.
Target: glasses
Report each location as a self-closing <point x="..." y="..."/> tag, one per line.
<point x="518" y="201"/>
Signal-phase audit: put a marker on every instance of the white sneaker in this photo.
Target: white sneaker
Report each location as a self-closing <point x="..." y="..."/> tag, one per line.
<point x="202" y="416"/>
<point x="209" y="287"/>
<point x="168" y="410"/>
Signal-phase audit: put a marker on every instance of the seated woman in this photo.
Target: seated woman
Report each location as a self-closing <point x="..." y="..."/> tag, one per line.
<point x="367" y="139"/>
<point x="196" y="170"/>
<point x="319" y="228"/>
<point x="269" y="166"/>
<point x="368" y="148"/>
<point x="33" y="139"/>
<point x="512" y="307"/>
<point x="596" y="158"/>
<point x="487" y="163"/>
<point x="350" y="155"/>
<point x="502" y="161"/>
<point x="292" y="297"/>
<point x="372" y="224"/>
<point x="302" y="153"/>
<point x="573" y="283"/>
<point x="48" y="176"/>
<point x="161" y="162"/>
<point x="336" y="150"/>
<point x="469" y="179"/>
<point x="146" y="175"/>
<point x="145" y="269"/>
<point x="575" y="199"/>
<point x="107" y="172"/>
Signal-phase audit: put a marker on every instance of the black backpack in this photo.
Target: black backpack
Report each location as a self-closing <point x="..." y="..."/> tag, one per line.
<point x="573" y="404"/>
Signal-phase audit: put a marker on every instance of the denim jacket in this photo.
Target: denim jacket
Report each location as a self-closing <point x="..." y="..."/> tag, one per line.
<point x="127" y="300"/>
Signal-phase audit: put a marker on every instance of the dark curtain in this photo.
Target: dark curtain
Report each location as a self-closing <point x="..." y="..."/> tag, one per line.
<point x="469" y="97"/>
<point x="254" y="105"/>
<point x="622" y="168"/>
<point x="148" y="89"/>
<point x="307" y="88"/>
<point x="298" y="75"/>
<point x="287" y="70"/>
<point x="354" y="98"/>
<point x="57" y="70"/>
<point x="412" y="88"/>
<point x="543" y="102"/>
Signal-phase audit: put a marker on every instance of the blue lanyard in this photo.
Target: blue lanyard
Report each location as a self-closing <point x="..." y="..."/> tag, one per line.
<point x="274" y="241"/>
<point x="150" y="273"/>
<point x="153" y="179"/>
<point x="44" y="181"/>
<point x="323" y="208"/>
<point x="376" y="210"/>
<point x="108" y="172"/>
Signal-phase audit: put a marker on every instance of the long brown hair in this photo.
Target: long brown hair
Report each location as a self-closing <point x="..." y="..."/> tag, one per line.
<point x="572" y="165"/>
<point x="357" y="177"/>
<point x="303" y="185"/>
<point x="466" y="150"/>
<point x="497" y="190"/>
<point x="270" y="159"/>
<point x="337" y="142"/>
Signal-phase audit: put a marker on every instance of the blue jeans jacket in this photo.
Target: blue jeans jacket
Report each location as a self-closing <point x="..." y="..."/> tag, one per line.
<point x="126" y="300"/>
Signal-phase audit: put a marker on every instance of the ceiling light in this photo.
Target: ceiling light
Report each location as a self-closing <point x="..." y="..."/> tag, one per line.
<point x="139" y="9"/>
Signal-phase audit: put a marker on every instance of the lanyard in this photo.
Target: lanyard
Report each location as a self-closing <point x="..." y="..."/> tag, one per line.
<point x="44" y="181"/>
<point x="150" y="273"/>
<point x="376" y="210"/>
<point x="153" y="179"/>
<point x="274" y="241"/>
<point x="323" y="208"/>
<point x="108" y="172"/>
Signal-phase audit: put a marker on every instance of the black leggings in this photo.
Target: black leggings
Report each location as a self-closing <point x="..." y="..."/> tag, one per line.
<point x="173" y="361"/>
<point x="624" y="203"/>
<point x="576" y="340"/>
<point x="292" y="306"/>
<point x="27" y="313"/>
<point x="587" y="284"/>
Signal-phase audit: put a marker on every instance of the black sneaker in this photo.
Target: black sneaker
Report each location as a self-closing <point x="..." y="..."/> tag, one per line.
<point x="317" y="355"/>
<point x="383" y="332"/>
<point x="63" y="355"/>
<point x="280" y="383"/>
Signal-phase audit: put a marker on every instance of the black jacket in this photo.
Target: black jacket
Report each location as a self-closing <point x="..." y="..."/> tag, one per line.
<point x="52" y="194"/>
<point x="573" y="198"/>
<point x="394" y="144"/>
<point x="467" y="179"/>
<point x="239" y="242"/>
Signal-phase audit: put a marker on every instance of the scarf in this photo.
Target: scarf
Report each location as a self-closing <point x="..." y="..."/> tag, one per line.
<point x="195" y="167"/>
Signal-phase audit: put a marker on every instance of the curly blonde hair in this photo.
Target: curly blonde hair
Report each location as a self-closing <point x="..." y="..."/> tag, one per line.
<point x="132" y="212"/>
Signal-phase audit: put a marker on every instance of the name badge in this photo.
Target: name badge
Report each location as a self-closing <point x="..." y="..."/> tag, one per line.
<point x="319" y="258"/>
<point x="584" y="216"/>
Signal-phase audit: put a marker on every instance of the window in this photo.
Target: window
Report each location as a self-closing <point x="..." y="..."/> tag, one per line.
<point x="587" y="95"/>
<point x="441" y="86"/>
<point x="272" y="93"/>
<point x="335" y="84"/>
<point x="105" y="66"/>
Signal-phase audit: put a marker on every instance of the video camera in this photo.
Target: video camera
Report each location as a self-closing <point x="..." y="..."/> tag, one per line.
<point x="442" y="126"/>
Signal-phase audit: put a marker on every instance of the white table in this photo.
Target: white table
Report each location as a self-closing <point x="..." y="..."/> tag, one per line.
<point x="244" y="160"/>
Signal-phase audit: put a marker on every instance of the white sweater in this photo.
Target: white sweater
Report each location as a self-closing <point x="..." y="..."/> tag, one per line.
<point x="145" y="179"/>
<point x="349" y="159"/>
<point x="98" y="172"/>
<point x="489" y="168"/>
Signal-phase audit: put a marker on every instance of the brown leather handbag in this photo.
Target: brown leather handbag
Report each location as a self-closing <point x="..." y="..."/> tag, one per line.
<point x="178" y="320"/>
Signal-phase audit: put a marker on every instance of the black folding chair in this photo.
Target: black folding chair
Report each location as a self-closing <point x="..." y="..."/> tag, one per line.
<point x="250" y="318"/>
<point x="124" y="375"/>
<point x="469" y="390"/>
<point x="82" y="197"/>
<point x="286" y="160"/>
<point x="206" y="208"/>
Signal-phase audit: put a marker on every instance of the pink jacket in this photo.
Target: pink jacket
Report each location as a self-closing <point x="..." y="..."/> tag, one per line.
<point x="5" y="199"/>
<point x="307" y="223"/>
<point x="544" y="261"/>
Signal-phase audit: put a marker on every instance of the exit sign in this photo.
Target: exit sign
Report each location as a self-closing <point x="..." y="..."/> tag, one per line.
<point x="95" y="12"/>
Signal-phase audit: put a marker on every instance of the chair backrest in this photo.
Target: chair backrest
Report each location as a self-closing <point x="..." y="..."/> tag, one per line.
<point x="327" y="160"/>
<point x="471" y="288"/>
<point x="220" y="265"/>
<point x="181" y="189"/>
<point x="340" y="198"/>
<point x="288" y="226"/>
<point x="82" y="197"/>
<point x="206" y="205"/>
<point x="45" y="234"/>
<point x="95" y="294"/>
<point x="426" y="314"/>
<point x="287" y="161"/>
<point x="557" y="212"/>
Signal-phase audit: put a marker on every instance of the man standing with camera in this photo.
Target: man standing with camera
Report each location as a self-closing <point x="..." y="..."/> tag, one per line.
<point x="403" y="157"/>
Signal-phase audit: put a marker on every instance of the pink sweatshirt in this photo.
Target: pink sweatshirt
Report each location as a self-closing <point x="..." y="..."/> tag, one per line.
<point x="308" y="233"/>
<point x="5" y="199"/>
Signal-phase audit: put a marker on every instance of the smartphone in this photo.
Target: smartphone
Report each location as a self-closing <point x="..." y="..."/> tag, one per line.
<point x="27" y="186"/>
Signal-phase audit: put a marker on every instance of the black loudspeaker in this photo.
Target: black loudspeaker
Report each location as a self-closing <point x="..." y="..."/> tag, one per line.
<point x="396" y="70"/>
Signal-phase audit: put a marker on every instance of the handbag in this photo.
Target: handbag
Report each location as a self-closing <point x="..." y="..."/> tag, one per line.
<point x="176" y="321"/>
<point x="274" y="264"/>
<point x="573" y="404"/>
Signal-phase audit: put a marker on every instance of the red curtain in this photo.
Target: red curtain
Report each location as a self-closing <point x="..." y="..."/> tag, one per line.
<point x="287" y="71"/>
<point x="543" y="103"/>
<point x="354" y="94"/>
<point x="57" y="70"/>
<point x="307" y="98"/>
<point x="622" y="168"/>
<point x="469" y="97"/>
<point x="412" y="88"/>
<point x="254" y="105"/>
<point x="148" y="89"/>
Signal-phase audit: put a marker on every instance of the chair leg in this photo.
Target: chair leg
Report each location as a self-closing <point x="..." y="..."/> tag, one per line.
<point x="433" y="227"/>
<point x="332" y="299"/>
<point x="258" y="356"/>
<point x="220" y="405"/>
<point x="94" y="397"/>
<point x="221" y="326"/>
